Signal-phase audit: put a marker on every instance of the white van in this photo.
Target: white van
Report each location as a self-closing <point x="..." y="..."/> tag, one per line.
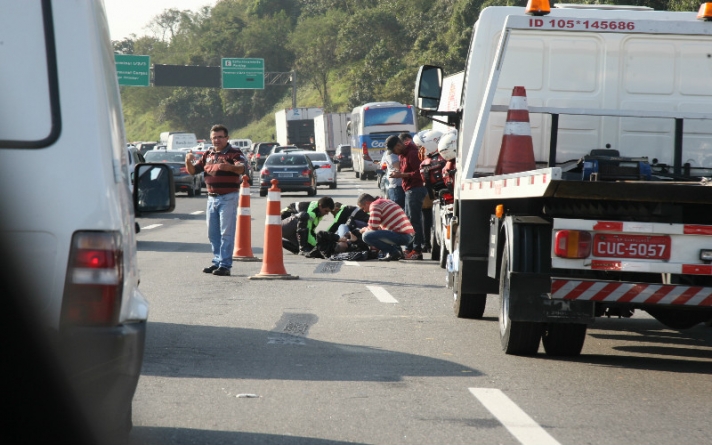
<point x="182" y="141"/>
<point x="243" y="144"/>
<point x="68" y="227"/>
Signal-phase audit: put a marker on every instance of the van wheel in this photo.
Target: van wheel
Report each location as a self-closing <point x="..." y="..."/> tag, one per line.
<point x="332" y="185"/>
<point x="364" y="176"/>
<point x="199" y="190"/>
<point x="357" y="175"/>
<point x="191" y="192"/>
<point x="263" y="192"/>
<point x="338" y="168"/>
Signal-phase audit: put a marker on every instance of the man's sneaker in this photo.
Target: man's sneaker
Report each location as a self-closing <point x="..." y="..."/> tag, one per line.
<point x="221" y="271"/>
<point x="392" y="256"/>
<point x="210" y="269"/>
<point x="413" y="255"/>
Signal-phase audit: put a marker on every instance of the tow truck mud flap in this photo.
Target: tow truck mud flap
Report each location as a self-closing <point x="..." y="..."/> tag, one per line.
<point x="530" y="300"/>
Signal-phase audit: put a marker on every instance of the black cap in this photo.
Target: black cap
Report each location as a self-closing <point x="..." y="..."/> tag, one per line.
<point x="392" y="141"/>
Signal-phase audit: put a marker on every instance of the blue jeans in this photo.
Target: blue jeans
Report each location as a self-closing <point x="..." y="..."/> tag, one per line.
<point x="221" y="217"/>
<point x="386" y="240"/>
<point x="397" y="195"/>
<point x="414" y="210"/>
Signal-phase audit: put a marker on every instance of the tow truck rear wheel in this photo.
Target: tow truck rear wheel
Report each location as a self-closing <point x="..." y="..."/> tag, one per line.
<point x="517" y="337"/>
<point x="443" y="255"/>
<point x="564" y="339"/>
<point x="435" y="246"/>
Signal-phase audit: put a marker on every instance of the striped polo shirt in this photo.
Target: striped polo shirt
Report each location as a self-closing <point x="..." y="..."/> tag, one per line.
<point x="222" y="182"/>
<point x="385" y="214"/>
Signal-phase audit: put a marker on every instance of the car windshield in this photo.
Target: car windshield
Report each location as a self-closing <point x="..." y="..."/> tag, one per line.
<point x="264" y="149"/>
<point x="286" y="159"/>
<point x="317" y="157"/>
<point x="165" y="156"/>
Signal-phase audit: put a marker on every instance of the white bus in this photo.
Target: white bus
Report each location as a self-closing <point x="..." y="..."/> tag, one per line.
<point x="370" y="126"/>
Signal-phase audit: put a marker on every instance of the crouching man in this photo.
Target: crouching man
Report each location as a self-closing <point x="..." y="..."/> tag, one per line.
<point x="299" y="222"/>
<point x="388" y="226"/>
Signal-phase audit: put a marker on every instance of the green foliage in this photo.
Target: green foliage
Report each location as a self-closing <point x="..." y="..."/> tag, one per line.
<point x="345" y="53"/>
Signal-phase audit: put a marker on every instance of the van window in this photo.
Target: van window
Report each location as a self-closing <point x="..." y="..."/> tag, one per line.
<point x="28" y="73"/>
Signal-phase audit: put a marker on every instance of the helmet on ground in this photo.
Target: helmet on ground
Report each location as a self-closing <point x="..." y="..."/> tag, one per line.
<point x="430" y="140"/>
<point x="447" y="147"/>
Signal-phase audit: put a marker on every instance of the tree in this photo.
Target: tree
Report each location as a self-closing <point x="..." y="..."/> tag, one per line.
<point x="314" y="43"/>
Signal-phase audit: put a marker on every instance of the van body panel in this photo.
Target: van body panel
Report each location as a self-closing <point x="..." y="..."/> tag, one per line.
<point x="65" y="152"/>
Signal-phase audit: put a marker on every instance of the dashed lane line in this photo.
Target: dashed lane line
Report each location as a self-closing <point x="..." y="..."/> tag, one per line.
<point x="517" y="422"/>
<point x="152" y="226"/>
<point x="199" y="212"/>
<point x="382" y="294"/>
<point x="351" y="263"/>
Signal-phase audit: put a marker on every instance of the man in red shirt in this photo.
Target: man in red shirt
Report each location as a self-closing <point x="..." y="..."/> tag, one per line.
<point x="223" y="166"/>
<point x="415" y="191"/>
<point x="388" y="226"/>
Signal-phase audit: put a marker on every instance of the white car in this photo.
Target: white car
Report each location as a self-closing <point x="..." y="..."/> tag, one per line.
<point x="325" y="168"/>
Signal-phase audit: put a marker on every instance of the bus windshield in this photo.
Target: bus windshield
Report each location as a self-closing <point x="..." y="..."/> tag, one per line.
<point x="387" y="116"/>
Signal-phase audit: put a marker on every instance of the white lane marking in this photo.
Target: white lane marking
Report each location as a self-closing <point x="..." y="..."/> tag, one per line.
<point x="382" y="294"/>
<point x="152" y="226"/>
<point x="198" y="212"/>
<point x="351" y="263"/>
<point x="517" y="422"/>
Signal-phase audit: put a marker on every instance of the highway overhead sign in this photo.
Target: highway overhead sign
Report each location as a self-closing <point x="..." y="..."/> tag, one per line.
<point x="243" y="74"/>
<point x="133" y="70"/>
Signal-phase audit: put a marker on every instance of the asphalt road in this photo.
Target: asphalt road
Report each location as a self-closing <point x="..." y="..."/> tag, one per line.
<point x="371" y="353"/>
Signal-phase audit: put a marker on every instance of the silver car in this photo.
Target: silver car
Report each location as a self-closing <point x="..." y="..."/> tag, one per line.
<point x="325" y="168"/>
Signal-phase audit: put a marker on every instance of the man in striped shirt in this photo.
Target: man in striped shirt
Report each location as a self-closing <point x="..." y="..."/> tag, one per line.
<point x="388" y="226"/>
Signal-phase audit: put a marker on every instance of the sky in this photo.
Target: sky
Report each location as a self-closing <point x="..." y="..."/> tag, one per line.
<point x="131" y="16"/>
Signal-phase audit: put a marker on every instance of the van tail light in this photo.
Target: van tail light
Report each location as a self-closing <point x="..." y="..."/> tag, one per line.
<point x="94" y="282"/>
<point x="184" y="170"/>
<point x="366" y="156"/>
<point x="306" y="173"/>
<point x="265" y="172"/>
<point x="572" y="244"/>
<point x="326" y="166"/>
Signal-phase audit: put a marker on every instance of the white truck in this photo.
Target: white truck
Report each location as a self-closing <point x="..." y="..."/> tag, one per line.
<point x="330" y="132"/>
<point x="615" y="214"/>
<point x="295" y="126"/>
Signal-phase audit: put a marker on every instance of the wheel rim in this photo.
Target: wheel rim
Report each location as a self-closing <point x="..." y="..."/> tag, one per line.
<point x="504" y="306"/>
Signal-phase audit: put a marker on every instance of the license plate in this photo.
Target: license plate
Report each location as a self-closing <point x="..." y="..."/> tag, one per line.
<point x="284" y="175"/>
<point x="631" y="246"/>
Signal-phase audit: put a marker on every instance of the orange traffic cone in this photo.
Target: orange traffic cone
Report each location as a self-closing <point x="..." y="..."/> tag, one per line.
<point x="517" y="152"/>
<point x="273" y="261"/>
<point x="243" y="233"/>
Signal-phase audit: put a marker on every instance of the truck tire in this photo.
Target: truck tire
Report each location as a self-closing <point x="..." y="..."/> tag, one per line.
<point x="564" y="339"/>
<point x="469" y="305"/>
<point x="678" y="318"/>
<point x="435" y="246"/>
<point x="443" y="256"/>
<point x="517" y="337"/>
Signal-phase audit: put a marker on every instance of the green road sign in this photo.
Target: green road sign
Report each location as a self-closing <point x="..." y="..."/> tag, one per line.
<point x="243" y="74"/>
<point x="133" y="70"/>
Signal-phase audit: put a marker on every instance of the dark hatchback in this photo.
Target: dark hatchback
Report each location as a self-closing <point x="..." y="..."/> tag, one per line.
<point x="342" y="157"/>
<point x="184" y="181"/>
<point x="294" y="171"/>
<point x="259" y="154"/>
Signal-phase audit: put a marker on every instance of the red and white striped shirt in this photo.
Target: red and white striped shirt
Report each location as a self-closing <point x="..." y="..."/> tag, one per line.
<point x="385" y="214"/>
